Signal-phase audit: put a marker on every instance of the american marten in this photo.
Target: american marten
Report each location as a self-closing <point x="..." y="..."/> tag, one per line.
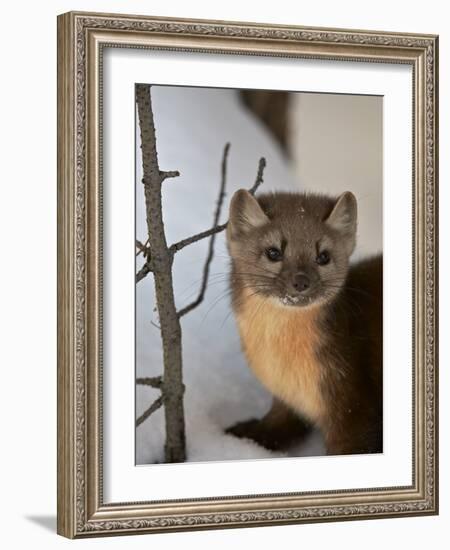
<point x="310" y="322"/>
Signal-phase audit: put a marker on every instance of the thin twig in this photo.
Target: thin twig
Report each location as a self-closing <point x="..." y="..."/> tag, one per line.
<point x="145" y="270"/>
<point x="210" y="254"/>
<point x="176" y="247"/>
<point x="142" y="248"/>
<point x="168" y="174"/>
<point x="259" y="176"/>
<point x="153" y="407"/>
<point x="153" y="381"/>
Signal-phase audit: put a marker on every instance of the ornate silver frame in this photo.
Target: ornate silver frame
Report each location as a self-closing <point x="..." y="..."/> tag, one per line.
<point x="81" y="37"/>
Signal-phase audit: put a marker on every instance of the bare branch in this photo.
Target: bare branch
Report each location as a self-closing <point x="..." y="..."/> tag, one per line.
<point x="145" y="270"/>
<point x="259" y="176"/>
<point x="153" y="381"/>
<point x="153" y="407"/>
<point x="142" y="248"/>
<point x="176" y="247"/>
<point x="210" y="253"/>
<point x="159" y="260"/>
<point x="147" y="267"/>
<point x="169" y="174"/>
<point x="161" y="265"/>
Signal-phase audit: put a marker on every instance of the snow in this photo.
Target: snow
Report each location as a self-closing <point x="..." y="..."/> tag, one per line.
<point x="192" y="128"/>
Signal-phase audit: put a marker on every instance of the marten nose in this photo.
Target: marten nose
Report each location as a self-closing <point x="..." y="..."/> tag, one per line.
<point x="301" y="282"/>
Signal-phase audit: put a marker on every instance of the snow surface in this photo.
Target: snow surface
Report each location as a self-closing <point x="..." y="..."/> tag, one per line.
<point x="192" y="127"/>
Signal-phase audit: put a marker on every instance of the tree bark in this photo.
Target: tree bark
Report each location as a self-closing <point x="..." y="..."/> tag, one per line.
<point x="160" y="264"/>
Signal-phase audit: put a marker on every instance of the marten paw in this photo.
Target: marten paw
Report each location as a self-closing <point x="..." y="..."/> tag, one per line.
<point x="255" y="430"/>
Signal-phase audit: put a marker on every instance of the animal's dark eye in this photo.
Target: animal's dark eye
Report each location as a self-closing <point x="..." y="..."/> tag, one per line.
<point x="274" y="254"/>
<point x="323" y="258"/>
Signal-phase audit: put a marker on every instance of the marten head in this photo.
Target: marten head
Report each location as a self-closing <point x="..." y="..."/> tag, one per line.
<point x="292" y="248"/>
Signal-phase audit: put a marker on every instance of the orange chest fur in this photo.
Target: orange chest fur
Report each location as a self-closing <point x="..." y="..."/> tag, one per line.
<point x="280" y="345"/>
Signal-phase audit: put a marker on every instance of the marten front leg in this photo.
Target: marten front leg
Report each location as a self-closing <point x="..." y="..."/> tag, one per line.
<point x="276" y="430"/>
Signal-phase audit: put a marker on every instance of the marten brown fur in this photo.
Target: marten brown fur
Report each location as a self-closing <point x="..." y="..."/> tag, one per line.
<point x="310" y="322"/>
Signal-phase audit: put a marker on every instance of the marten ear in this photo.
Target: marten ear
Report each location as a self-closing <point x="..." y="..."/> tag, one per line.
<point x="245" y="214"/>
<point x="344" y="213"/>
<point x="343" y="218"/>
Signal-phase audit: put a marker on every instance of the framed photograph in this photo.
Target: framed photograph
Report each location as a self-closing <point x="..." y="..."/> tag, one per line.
<point x="247" y="289"/>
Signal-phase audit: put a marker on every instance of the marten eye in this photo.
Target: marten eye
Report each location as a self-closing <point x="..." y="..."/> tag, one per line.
<point x="323" y="258"/>
<point x="274" y="254"/>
